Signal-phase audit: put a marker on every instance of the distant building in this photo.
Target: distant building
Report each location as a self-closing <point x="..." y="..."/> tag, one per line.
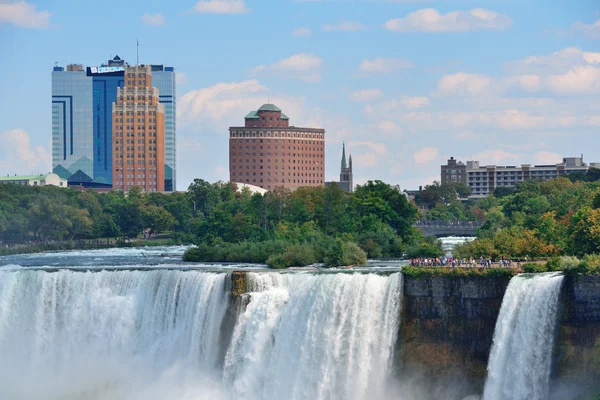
<point x="138" y="133"/>
<point x="34" y="180"/>
<point x="82" y="130"/>
<point x="483" y="180"/>
<point x="346" y="179"/>
<point x="267" y="152"/>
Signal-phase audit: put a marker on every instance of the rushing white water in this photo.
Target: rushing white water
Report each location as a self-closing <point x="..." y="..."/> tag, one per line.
<point x="521" y="357"/>
<point x="315" y="337"/>
<point x="159" y="335"/>
<point x="102" y="335"/>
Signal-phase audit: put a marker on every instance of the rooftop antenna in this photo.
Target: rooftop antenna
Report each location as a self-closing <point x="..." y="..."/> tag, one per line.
<point x="137" y="59"/>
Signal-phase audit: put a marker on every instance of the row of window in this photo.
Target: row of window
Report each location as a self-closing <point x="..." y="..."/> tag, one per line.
<point x="132" y="162"/>
<point x="132" y="113"/>
<point x="233" y="167"/>
<point x="283" y="175"/>
<point x="267" y="134"/>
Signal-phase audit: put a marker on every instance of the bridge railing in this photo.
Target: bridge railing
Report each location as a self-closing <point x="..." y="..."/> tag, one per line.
<point x="427" y="224"/>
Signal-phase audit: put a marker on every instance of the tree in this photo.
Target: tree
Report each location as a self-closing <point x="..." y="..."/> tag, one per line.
<point x="204" y="196"/>
<point x="585" y="231"/>
<point x="157" y="219"/>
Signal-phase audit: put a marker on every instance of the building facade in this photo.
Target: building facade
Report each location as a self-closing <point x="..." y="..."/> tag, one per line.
<point x="346" y="179"/>
<point x="34" y="180"/>
<point x="138" y="133"/>
<point x="483" y="180"/>
<point x="267" y="152"/>
<point x="82" y="130"/>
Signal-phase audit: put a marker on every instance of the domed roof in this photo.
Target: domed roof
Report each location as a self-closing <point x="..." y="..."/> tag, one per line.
<point x="269" y="107"/>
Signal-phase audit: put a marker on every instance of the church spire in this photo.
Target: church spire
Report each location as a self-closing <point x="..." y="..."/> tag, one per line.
<point x="344" y="165"/>
<point x="350" y="163"/>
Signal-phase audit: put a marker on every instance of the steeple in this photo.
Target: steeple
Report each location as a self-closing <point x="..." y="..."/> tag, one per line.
<point x="344" y="165"/>
<point x="350" y="163"/>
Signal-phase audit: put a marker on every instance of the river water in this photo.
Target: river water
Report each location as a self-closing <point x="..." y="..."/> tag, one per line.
<point x="139" y="324"/>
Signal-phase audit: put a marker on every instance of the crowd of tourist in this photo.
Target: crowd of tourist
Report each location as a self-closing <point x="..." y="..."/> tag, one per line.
<point x="449" y="261"/>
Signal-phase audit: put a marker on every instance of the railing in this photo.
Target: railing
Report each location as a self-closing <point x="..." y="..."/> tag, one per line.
<point x="447" y="224"/>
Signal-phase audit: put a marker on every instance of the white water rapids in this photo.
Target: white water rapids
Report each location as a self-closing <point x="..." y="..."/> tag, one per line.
<point x="521" y="356"/>
<point x="159" y="335"/>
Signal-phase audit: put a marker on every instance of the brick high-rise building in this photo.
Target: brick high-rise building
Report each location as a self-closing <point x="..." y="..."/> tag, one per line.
<point x="82" y="132"/>
<point x="269" y="153"/>
<point x="138" y="133"/>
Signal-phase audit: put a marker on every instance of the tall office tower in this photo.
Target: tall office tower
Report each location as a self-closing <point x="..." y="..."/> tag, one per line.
<point x="269" y="153"/>
<point x="138" y="133"/>
<point x="82" y="131"/>
<point x="163" y="78"/>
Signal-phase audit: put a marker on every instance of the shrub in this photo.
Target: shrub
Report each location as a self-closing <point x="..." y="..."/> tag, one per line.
<point x="353" y="255"/>
<point x="534" y="267"/>
<point x="418" y="272"/>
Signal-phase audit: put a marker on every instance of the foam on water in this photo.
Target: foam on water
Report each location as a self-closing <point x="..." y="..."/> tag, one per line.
<point x="521" y="356"/>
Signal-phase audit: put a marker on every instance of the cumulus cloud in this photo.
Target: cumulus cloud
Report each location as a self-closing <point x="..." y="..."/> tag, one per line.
<point x="345" y="26"/>
<point x="154" y="19"/>
<point x="557" y="62"/>
<point x="383" y="65"/>
<point x="366" y="95"/>
<point x="463" y="83"/>
<point x="415" y="102"/>
<point x="302" y="66"/>
<point x="219" y="106"/>
<point x="590" y="30"/>
<point x="547" y="157"/>
<point x="389" y="127"/>
<point x="493" y="157"/>
<point x="301" y="32"/>
<point x="425" y="155"/>
<point x="432" y="21"/>
<point x="221" y="7"/>
<point x="18" y="157"/>
<point x="578" y="80"/>
<point x="24" y="15"/>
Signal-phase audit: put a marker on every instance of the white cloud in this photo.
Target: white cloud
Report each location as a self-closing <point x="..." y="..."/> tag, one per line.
<point x="547" y="157"/>
<point x="389" y="127"/>
<point x="578" y="80"/>
<point x="17" y="156"/>
<point x="425" y="155"/>
<point x="24" y="15"/>
<point x="301" y="32"/>
<point x="430" y="20"/>
<point x="365" y="160"/>
<point x="154" y="19"/>
<point x="557" y="62"/>
<point x="379" y="148"/>
<point x="181" y="78"/>
<point x="528" y="82"/>
<point x="366" y="95"/>
<point x="221" y="7"/>
<point x="465" y="84"/>
<point x="415" y="102"/>
<point x="224" y="104"/>
<point x="301" y="66"/>
<point x="518" y="120"/>
<point x="590" y="30"/>
<point x="345" y="26"/>
<point x="492" y="157"/>
<point x="383" y="65"/>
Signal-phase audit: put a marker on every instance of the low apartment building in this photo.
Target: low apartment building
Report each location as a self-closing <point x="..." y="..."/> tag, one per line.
<point x="483" y="180"/>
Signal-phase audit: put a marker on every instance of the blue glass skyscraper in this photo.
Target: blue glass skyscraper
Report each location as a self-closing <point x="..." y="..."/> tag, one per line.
<point x="82" y="101"/>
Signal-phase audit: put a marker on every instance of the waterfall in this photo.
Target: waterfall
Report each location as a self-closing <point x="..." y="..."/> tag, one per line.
<point x="521" y="355"/>
<point x="73" y="335"/>
<point x="159" y="334"/>
<point x="316" y="337"/>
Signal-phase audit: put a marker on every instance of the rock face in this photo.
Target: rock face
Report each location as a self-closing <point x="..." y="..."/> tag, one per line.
<point x="448" y="325"/>
<point x="577" y="350"/>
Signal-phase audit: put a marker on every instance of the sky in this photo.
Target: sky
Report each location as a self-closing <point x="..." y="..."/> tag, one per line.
<point x="406" y="84"/>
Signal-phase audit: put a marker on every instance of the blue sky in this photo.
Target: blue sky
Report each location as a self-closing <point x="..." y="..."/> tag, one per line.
<point x="406" y="84"/>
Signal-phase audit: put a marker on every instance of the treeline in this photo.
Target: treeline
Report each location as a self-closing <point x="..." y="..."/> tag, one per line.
<point x="559" y="217"/>
<point x="308" y="225"/>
